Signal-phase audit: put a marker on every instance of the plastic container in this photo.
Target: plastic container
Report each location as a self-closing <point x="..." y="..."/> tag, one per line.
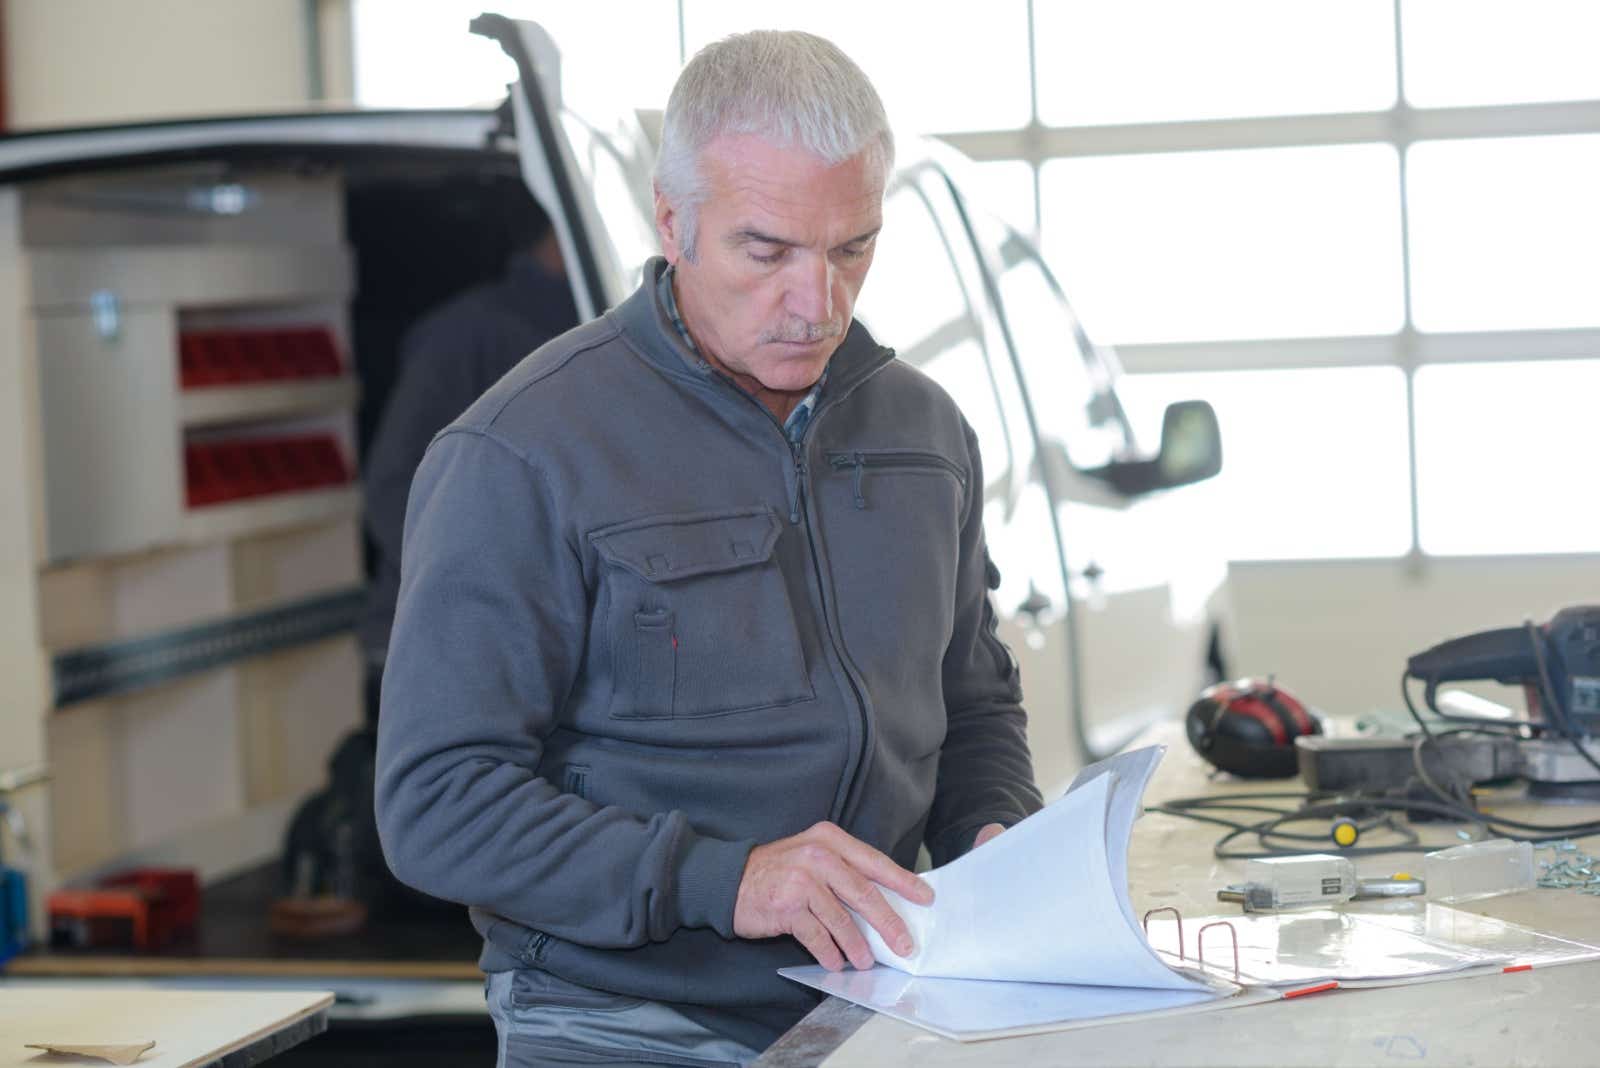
<point x="1478" y="869"/>
<point x="1315" y="880"/>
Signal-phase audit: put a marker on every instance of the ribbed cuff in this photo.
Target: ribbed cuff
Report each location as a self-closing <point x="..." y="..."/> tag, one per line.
<point x="706" y="883"/>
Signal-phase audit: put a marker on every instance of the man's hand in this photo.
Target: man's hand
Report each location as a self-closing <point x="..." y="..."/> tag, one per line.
<point x="986" y="832"/>
<point x="801" y="885"/>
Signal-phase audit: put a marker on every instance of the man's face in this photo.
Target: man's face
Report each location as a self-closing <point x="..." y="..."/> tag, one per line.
<point x="784" y="244"/>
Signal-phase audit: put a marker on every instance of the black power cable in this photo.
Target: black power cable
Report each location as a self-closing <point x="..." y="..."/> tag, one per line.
<point x="1363" y="809"/>
<point x="1383" y="812"/>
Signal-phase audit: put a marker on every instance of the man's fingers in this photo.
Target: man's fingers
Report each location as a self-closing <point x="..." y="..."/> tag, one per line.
<point x="846" y="935"/>
<point x="809" y="932"/>
<point x="866" y="899"/>
<point x="882" y="870"/>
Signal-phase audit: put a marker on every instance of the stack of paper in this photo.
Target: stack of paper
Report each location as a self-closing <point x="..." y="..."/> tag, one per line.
<point x="1034" y="931"/>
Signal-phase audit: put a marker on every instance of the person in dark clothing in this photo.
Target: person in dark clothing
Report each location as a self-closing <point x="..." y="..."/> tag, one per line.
<point x="447" y="361"/>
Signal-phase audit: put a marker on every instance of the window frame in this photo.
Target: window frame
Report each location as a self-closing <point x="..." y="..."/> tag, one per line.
<point x="1401" y="126"/>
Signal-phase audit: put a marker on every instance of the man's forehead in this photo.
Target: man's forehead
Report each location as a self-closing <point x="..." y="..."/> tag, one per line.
<point x="757" y="178"/>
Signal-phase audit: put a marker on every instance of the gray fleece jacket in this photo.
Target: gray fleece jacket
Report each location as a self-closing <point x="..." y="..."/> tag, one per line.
<point x="638" y="633"/>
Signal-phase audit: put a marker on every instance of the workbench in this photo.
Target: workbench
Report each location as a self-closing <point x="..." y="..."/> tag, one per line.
<point x="1545" y="1017"/>
<point x="190" y="1028"/>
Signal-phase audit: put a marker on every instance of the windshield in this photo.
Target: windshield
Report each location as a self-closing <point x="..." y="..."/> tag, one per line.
<point x="1071" y="385"/>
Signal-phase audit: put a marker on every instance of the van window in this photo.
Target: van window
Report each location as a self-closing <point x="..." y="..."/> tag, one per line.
<point x="914" y="301"/>
<point x="1071" y="387"/>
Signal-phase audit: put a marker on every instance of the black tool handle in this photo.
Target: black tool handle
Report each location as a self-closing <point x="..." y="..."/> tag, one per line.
<point x="1505" y="655"/>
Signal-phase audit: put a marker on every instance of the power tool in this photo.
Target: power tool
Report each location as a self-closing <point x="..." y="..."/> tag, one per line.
<point x="1556" y="748"/>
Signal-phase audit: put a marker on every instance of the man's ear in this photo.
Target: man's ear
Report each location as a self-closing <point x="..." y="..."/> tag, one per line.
<point x="666" y="229"/>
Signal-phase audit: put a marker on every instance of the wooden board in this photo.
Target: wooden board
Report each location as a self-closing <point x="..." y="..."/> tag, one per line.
<point x="190" y="1027"/>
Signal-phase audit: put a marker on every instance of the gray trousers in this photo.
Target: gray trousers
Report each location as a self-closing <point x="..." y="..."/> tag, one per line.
<point x="544" y="1021"/>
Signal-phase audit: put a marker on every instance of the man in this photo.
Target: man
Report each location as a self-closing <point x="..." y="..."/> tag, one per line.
<point x="694" y="645"/>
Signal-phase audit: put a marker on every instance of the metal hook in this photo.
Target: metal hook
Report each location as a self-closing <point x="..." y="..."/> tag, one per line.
<point x="1176" y="915"/>
<point x="1200" y="944"/>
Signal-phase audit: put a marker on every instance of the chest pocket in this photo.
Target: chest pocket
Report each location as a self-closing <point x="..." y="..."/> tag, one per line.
<point x="699" y="616"/>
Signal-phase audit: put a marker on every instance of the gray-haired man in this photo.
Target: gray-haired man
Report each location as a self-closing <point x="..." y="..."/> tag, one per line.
<point x="694" y="643"/>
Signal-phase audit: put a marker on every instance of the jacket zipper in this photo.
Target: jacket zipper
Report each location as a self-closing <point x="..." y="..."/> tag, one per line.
<point x="798" y="513"/>
<point x="890" y="459"/>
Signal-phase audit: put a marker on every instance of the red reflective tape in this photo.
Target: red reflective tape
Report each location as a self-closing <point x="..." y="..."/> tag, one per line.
<point x="1517" y="968"/>
<point x="1303" y="991"/>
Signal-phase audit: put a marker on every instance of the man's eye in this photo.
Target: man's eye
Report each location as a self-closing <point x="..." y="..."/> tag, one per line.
<point x="769" y="257"/>
<point x="853" y="252"/>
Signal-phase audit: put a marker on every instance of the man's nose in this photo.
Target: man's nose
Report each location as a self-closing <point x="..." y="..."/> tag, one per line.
<point x="811" y="295"/>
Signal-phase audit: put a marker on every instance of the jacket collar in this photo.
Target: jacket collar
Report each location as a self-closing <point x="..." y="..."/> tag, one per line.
<point x="643" y="320"/>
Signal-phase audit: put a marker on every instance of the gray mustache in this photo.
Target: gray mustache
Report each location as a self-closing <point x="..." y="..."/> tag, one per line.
<point x="805" y="332"/>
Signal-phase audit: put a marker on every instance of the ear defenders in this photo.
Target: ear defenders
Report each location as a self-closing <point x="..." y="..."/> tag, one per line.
<point x="1248" y="727"/>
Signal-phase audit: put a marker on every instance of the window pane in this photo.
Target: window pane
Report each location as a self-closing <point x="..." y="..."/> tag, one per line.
<point x="1113" y="61"/>
<point x="953" y="70"/>
<point x="929" y="322"/>
<point x="419" y="53"/>
<point x="1313" y="462"/>
<point x="1203" y="245"/>
<point x="1506" y="457"/>
<point x="1500" y="51"/>
<point x="1003" y="188"/>
<point x="1504" y="232"/>
<point x="1068" y="382"/>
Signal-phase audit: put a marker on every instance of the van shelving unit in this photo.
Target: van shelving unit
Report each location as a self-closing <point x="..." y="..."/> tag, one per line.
<point x="181" y="546"/>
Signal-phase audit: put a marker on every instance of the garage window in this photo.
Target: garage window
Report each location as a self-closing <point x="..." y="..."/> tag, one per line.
<point x="1506" y="457"/>
<point x="1200" y="245"/>
<point x="1308" y="459"/>
<point x="1133" y="61"/>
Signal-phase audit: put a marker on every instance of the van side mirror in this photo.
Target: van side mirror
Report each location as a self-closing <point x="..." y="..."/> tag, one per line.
<point x="1191" y="451"/>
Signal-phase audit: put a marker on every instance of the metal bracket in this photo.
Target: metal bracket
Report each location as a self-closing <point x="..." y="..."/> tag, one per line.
<point x="118" y="667"/>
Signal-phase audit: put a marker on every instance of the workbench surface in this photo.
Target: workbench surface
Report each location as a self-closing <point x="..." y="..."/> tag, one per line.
<point x="1547" y="1017"/>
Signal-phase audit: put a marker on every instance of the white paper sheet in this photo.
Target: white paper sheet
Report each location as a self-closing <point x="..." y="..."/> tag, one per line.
<point x="1047" y="901"/>
<point x="972" y="1009"/>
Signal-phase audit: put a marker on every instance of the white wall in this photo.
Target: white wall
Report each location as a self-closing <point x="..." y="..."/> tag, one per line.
<point x="72" y="62"/>
<point x="1337" y="633"/>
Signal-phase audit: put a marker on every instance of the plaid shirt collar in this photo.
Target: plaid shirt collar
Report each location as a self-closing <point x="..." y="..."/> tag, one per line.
<point x="794" y="427"/>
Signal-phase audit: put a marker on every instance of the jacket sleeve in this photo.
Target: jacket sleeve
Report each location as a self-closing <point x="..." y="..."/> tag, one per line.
<point x="985" y="770"/>
<point x="488" y="635"/>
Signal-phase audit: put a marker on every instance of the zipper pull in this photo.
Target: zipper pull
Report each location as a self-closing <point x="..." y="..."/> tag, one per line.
<point x="857" y="461"/>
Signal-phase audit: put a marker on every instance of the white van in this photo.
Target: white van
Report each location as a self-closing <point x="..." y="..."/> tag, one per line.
<point x="124" y="245"/>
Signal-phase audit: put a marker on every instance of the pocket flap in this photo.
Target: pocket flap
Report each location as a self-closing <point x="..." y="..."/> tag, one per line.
<point x="667" y="548"/>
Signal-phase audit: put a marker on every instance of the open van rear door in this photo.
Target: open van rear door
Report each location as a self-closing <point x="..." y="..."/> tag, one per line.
<point x="550" y="166"/>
